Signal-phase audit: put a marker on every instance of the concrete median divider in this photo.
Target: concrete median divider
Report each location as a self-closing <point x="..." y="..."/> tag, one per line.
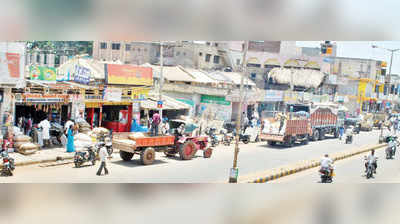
<point x="299" y="166"/>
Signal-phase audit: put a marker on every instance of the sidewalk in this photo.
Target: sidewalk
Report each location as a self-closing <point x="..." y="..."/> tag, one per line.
<point x="43" y="156"/>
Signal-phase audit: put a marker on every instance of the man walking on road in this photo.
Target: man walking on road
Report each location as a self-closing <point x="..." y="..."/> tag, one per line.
<point x="103" y="156"/>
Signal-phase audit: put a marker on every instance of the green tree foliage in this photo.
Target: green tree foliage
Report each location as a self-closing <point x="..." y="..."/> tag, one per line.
<point x="69" y="48"/>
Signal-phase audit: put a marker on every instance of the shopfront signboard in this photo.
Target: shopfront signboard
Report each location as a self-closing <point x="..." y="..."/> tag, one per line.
<point x="138" y="94"/>
<point x="43" y="74"/>
<point x="43" y="98"/>
<point x="128" y="75"/>
<point x="82" y="75"/>
<point x="112" y="94"/>
<point x="11" y="63"/>
<point x="214" y="100"/>
<point x="273" y="96"/>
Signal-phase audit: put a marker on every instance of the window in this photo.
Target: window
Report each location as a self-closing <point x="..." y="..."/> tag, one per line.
<point x="133" y="49"/>
<point x="145" y="50"/>
<point x="208" y="43"/>
<point x="103" y="45"/>
<point x="45" y="59"/>
<point x="216" y="44"/>
<point x="116" y="46"/>
<point x="128" y="47"/>
<point x="253" y="65"/>
<point x="216" y="59"/>
<point x="184" y="53"/>
<point x="138" y="49"/>
<point x="208" y="57"/>
<point x="200" y="54"/>
<point x="178" y="53"/>
<point x="253" y="76"/>
<point x="237" y="61"/>
<point x="38" y="58"/>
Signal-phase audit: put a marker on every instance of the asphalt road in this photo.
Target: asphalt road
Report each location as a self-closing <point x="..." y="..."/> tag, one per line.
<point x="253" y="158"/>
<point x="352" y="171"/>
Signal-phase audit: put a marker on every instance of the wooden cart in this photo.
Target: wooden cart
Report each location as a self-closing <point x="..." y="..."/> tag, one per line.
<point x="147" y="147"/>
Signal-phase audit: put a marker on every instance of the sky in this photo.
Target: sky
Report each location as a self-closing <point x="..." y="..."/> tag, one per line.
<point x="363" y="49"/>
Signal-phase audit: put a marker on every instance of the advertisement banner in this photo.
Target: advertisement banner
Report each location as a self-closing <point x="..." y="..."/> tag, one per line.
<point x="11" y="63"/>
<point x="139" y="94"/>
<point x="82" y="75"/>
<point x="43" y="74"/>
<point x="214" y="100"/>
<point x="128" y="75"/>
<point x="273" y="96"/>
<point x="112" y="94"/>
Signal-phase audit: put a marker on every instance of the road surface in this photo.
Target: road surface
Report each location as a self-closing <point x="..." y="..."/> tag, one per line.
<point x="253" y="158"/>
<point x="352" y="171"/>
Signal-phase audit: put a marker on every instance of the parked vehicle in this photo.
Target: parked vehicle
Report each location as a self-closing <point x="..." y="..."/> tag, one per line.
<point x="8" y="164"/>
<point x="367" y="122"/>
<point x="326" y="175"/>
<point x="243" y="137"/>
<point x="379" y="120"/>
<point x="301" y="123"/>
<point x="227" y="138"/>
<point x="85" y="156"/>
<point x="56" y="132"/>
<point x="355" y="122"/>
<point x="183" y="144"/>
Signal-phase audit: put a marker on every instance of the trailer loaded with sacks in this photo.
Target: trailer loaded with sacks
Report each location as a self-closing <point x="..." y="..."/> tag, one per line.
<point x="301" y="123"/>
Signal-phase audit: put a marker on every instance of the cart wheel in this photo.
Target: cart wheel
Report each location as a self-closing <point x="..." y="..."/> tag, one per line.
<point x="187" y="150"/>
<point x="126" y="156"/>
<point x="147" y="156"/>
<point x="207" y="153"/>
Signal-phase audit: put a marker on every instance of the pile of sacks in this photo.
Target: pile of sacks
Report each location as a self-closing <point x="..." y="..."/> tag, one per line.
<point x="136" y="135"/>
<point x="23" y="144"/>
<point x="83" y="126"/>
<point x="81" y="141"/>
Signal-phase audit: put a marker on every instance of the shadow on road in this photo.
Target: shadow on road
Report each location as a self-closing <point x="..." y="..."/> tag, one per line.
<point x="136" y="163"/>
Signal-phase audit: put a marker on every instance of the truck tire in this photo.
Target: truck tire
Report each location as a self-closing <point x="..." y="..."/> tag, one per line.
<point x="306" y="139"/>
<point x="271" y="143"/>
<point x="126" y="156"/>
<point x="322" y="135"/>
<point x="147" y="156"/>
<point x="315" y="135"/>
<point x="290" y="142"/>
<point x="187" y="150"/>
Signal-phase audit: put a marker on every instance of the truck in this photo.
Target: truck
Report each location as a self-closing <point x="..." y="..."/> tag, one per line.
<point x="301" y="122"/>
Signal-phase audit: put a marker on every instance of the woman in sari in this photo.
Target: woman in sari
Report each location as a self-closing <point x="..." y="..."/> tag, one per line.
<point x="70" y="139"/>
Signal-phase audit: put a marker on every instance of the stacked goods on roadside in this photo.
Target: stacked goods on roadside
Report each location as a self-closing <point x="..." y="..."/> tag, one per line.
<point x="23" y="144"/>
<point x="28" y="148"/>
<point x="83" y="127"/>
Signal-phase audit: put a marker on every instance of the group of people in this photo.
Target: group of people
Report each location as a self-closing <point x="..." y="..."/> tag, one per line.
<point x="155" y="123"/>
<point x="246" y="122"/>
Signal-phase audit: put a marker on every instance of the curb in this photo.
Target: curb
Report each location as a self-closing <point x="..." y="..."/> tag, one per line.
<point x="292" y="169"/>
<point x="57" y="158"/>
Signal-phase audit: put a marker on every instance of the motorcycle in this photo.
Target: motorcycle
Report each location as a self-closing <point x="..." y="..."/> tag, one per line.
<point x="214" y="139"/>
<point x="227" y="139"/>
<point x="349" y="139"/>
<point x="326" y="175"/>
<point x="390" y="152"/>
<point x="370" y="168"/>
<point x="56" y="133"/>
<point x="8" y="165"/>
<point x="245" y="138"/>
<point x="85" y="156"/>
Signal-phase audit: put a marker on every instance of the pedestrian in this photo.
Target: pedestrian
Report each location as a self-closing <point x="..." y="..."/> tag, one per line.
<point x="165" y="126"/>
<point x="341" y="132"/>
<point x="155" y="122"/>
<point x="70" y="138"/>
<point x="67" y="125"/>
<point x="45" y="125"/>
<point x="103" y="156"/>
<point x="28" y="126"/>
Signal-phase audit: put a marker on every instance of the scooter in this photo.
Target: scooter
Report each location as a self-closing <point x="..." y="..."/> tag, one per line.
<point x="8" y="164"/>
<point x="86" y="156"/>
<point x="326" y="175"/>
<point x="370" y="168"/>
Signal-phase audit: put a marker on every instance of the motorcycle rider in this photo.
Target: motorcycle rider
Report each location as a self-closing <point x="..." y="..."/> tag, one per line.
<point x="373" y="158"/>
<point x="349" y="132"/>
<point x="392" y="144"/>
<point x="326" y="163"/>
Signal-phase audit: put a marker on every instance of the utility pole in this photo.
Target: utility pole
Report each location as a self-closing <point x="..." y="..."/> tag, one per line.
<point x="234" y="171"/>
<point x="161" y="77"/>
<point x="390" y="73"/>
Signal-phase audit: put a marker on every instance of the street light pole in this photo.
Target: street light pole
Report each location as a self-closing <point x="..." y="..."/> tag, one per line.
<point x="161" y="77"/>
<point x="234" y="171"/>
<point x="390" y="73"/>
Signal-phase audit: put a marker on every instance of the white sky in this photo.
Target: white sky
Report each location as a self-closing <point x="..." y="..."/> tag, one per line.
<point x="363" y="49"/>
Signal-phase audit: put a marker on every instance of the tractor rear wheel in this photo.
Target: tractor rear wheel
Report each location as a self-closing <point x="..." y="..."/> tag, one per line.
<point x="126" y="156"/>
<point x="147" y="156"/>
<point x="187" y="150"/>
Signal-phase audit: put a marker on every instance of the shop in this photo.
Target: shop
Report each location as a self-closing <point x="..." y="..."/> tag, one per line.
<point x="215" y="108"/>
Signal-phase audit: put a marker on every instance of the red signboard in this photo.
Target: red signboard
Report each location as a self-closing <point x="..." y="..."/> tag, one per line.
<point x="128" y="75"/>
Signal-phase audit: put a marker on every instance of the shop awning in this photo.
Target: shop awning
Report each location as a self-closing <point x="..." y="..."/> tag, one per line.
<point x="168" y="103"/>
